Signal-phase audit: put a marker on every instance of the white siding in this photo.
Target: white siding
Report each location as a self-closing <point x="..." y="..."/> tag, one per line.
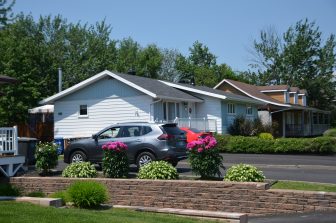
<point x="108" y="101"/>
<point x="101" y="113"/>
<point x="211" y="109"/>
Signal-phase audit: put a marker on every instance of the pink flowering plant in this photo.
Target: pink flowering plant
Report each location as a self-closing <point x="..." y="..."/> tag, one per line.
<point x="204" y="157"/>
<point x="115" y="161"/>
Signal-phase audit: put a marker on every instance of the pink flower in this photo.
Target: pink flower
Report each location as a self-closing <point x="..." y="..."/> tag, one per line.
<point x="200" y="149"/>
<point x="115" y="146"/>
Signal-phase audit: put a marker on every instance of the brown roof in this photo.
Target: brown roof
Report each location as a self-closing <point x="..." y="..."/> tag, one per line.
<point x="273" y="87"/>
<point x="294" y="89"/>
<point x="303" y="91"/>
<point x="254" y="91"/>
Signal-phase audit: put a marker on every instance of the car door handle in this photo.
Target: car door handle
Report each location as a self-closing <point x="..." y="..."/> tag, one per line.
<point x="138" y="140"/>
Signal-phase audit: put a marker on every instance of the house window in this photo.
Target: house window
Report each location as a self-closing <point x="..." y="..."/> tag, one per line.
<point x="286" y="95"/>
<point x="304" y="100"/>
<point x="295" y="98"/>
<point x="83" y="111"/>
<point x="249" y="110"/>
<point x="231" y="108"/>
<point x="171" y="110"/>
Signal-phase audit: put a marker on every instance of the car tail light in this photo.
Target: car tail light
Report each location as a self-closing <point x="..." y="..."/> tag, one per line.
<point x="165" y="137"/>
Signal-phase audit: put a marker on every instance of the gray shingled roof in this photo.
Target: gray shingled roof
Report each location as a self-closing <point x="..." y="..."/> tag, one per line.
<point x="229" y="96"/>
<point x="160" y="89"/>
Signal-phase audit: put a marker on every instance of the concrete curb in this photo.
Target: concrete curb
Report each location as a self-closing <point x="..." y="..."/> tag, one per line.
<point x="54" y="202"/>
<point x="230" y="217"/>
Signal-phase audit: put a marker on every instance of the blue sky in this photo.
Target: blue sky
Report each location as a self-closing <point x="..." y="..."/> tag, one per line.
<point x="228" y="28"/>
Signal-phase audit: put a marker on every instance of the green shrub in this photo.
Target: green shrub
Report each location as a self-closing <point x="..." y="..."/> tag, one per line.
<point x="330" y="132"/>
<point x="36" y="194"/>
<point x="80" y="170"/>
<point x="9" y="190"/>
<point x="158" y="170"/>
<point x="61" y="194"/>
<point x="265" y="135"/>
<point x="242" y="144"/>
<point x="204" y="157"/>
<point x="87" y="194"/>
<point x="46" y="156"/>
<point x="244" y="173"/>
<point x="115" y="161"/>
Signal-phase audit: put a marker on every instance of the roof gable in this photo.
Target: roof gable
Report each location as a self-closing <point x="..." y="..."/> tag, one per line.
<point x="151" y="87"/>
<point x="251" y="91"/>
<point x="212" y="92"/>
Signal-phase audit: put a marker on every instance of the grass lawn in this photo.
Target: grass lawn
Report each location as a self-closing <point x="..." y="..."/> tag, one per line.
<point x="298" y="185"/>
<point x="24" y="212"/>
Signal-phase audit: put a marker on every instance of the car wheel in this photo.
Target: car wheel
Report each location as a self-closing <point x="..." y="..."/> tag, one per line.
<point x="77" y="157"/>
<point x="144" y="158"/>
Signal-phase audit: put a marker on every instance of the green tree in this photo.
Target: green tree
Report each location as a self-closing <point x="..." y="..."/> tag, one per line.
<point x="298" y="58"/>
<point x="168" y="69"/>
<point x="5" y="12"/>
<point x="32" y="52"/>
<point x="199" y="66"/>
<point x="128" y="51"/>
<point x="149" y="61"/>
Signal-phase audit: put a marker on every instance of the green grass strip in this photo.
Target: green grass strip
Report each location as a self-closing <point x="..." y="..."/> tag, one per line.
<point x="27" y="213"/>
<point x="299" y="185"/>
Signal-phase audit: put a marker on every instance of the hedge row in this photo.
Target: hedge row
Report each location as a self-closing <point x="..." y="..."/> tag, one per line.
<point x="242" y="144"/>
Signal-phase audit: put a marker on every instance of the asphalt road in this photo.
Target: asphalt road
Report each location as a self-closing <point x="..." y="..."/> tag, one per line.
<point x="312" y="168"/>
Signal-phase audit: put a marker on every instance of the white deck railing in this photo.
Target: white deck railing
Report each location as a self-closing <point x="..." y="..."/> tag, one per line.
<point x="9" y="141"/>
<point x="203" y="124"/>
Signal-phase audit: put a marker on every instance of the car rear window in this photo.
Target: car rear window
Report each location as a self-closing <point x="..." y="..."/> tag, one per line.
<point x="172" y="129"/>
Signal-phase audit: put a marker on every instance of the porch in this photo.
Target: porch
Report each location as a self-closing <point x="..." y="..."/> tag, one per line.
<point x="10" y="161"/>
<point x="302" y="123"/>
<point x="184" y="114"/>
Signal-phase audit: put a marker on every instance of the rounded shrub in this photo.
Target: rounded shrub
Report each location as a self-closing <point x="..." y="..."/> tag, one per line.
<point x="158" y="170"/>
<point x="265" y="135"/>
<point x="80" y="170"/>
<point x="87" y="194"/>
<point x="9" y="190"/>
<point x="244" y="173"/>
<point x="204" y="157"/>
<point x="115" y="161"/>
<point x="46" y="156"/>
<point x="330" y="132"/>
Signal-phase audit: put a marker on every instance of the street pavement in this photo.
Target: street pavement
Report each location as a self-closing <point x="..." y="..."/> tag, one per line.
<point x="313" y="168"/>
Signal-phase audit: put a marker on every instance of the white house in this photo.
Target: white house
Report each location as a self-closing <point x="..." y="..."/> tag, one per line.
<point x="110" y="97"/>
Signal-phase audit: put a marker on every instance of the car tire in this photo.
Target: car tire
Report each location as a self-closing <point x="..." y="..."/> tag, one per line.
<point x="78" y="156"/>
<point x="144" y="158"/>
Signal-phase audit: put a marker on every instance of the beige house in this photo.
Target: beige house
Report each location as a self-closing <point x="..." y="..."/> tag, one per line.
<point x="284" y="105"/>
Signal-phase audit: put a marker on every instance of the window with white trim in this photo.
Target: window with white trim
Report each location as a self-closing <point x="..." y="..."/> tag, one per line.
<point x="296" y="99"/>
<point x="249" y="110"/>
<point x="83" y="112"/>
<point x="286" y="97"/>
<point x="304" y="100"/>
<point x="231" y="109"/>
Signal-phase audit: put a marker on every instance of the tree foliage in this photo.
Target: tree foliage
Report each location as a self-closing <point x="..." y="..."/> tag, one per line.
<point x="298" y="58"/>
<point x="6" y="14"/>
<point x="201" y="67"/>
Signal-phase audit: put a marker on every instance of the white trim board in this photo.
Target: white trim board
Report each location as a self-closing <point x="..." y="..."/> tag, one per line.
<point x="93" y="79"/>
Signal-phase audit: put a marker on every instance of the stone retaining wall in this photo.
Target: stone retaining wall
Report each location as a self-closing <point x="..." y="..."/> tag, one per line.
<point x="252" y="198"/>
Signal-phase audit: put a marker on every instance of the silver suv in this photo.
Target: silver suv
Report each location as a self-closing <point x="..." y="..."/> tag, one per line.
<point x="146" y="142"/>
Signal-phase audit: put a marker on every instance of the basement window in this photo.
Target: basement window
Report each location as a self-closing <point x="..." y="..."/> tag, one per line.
<point x="83" y="112"/>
